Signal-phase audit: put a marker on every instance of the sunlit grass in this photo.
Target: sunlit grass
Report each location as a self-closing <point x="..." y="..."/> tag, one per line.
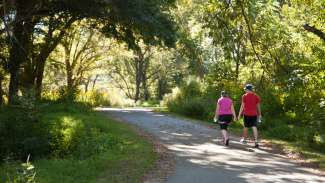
<point x="124" y="160"/>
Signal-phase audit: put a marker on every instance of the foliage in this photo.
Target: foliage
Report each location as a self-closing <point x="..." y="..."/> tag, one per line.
<point x="95" y="98"/>
<point x="36" y="33"/>
<point x="24" y="173"/>
<point x="68" y="94"/>
<point x="123" y="49"/>
<point x="88" y="147"/>
<point x="23" y="131"/>
<point x="188" y="101"/>
<point x="46" y="131"/>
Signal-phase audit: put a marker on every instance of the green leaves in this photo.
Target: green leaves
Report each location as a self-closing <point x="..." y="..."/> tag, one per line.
<point x="131" y="21"/>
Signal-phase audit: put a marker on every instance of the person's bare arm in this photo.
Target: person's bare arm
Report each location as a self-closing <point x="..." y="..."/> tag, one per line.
<point x="233" y="112"/>
<point x="240" y="110"/>
<point x="259" y="112"/>
<point x="216" y="115"/>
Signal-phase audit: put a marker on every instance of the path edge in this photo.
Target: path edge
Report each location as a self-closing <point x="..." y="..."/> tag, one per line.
<point x="164" y="166"/>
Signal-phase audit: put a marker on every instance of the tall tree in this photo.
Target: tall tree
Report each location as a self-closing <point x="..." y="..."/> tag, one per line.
<point x="121" y="19"/>
<point x="82" y="48"/>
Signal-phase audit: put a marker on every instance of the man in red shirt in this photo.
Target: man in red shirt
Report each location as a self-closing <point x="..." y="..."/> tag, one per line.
<point x="250" y="107"/>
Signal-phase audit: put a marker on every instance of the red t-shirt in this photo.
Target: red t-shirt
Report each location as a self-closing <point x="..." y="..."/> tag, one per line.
<point x="250" y="101"/>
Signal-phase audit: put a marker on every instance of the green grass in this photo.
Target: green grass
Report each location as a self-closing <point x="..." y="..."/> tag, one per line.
<point x="126" y="160"/>
<point x="309" y="154"/>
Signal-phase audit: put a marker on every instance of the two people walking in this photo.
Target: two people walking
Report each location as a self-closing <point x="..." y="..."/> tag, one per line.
<point x="250" y="109"/>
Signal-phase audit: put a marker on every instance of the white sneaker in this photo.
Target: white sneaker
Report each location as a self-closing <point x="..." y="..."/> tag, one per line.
<point x="243" y="141"/>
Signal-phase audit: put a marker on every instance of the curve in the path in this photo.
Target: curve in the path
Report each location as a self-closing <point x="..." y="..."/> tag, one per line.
<point x="200" y="158"/>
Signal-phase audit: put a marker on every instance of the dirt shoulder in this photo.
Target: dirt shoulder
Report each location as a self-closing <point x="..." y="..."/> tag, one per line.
<point x="165" y="163"/>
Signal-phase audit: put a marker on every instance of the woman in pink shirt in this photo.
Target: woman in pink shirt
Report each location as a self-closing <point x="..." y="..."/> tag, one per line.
<point x="224" y="114"/>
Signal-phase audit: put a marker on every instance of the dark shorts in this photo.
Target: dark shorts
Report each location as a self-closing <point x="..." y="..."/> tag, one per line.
<point x="250" y="121"/>
<point x="224" y="121"/>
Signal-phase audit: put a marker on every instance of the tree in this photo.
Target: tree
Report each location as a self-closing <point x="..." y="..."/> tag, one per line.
<point x="115" y="18"/>
<point x="82" y="51"/>
<point x="139" y="73"/>
<point x="3" y="60"/>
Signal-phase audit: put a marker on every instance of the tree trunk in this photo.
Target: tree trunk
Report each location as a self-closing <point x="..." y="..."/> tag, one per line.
<point x="95" y="80"/>
<point x="144" y="81"/>
<point x="39" y="68"/>
<point x="87" y="84"/>
<point x="18" y="54"/>
<point x="237" y="69"/>
<point x="1" y="91"/>
<point x="39" y="76"/>
<point x="49" y="45"/>
<point x="138" y="78"/>
<point x="69" y="75"/>
<point x="162" y="87"/>
<point x="315" y="31"/>
<point x="145" y="88"/>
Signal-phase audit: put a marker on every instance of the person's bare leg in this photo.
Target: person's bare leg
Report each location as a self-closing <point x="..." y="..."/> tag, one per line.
<point x="255" y="133"/>
<point x="227" y="135"/>
<point x="224" y="135"/>
<point x="245" y="133"/>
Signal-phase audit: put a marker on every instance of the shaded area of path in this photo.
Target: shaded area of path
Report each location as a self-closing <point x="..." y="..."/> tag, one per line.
<point x="200" y="157"/>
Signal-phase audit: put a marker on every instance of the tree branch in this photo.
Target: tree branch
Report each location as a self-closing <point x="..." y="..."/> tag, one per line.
<point x="315" y="31"/>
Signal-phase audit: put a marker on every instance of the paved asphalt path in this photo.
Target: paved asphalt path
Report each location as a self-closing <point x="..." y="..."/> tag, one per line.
<point x="201" y="158"/>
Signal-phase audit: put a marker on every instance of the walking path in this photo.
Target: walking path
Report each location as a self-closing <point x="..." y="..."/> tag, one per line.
<point x="200" y="157"/>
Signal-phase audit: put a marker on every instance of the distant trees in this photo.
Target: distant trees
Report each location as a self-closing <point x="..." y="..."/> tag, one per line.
<point x="137" y="72"/>
<point x="35" y="28"/>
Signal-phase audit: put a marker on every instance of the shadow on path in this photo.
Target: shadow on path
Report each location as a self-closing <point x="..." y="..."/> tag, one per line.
<point x="201" y="158"/>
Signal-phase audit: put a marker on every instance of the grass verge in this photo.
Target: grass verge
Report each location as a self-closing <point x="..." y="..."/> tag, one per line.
<point x="125" y="160"/>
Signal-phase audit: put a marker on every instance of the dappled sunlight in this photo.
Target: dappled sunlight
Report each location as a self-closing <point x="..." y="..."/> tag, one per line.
<point x="119" y="109"/>
<point x="197" y="147"/>
<point x="182" y="134"/>
<point x="126" y="111"/>
<point x="159" y="115"/>
<point x="69" y="126"/>
<point x="264" y="167"/>
<point x="200" y="63"/>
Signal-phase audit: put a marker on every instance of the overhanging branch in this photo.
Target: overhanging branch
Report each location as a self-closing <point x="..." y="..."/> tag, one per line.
<point x="315" y="31"/>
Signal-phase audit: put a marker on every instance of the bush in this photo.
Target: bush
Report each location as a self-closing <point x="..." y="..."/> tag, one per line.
<point x="111" y="97"/>
<point x="199" y="108"/>
<point x="191" y="89"/>
<point x="189" y="101"/>
<point x="78" y="135"/>
<point x="283" y="132"/>
<point x="23" y="173"/>
<point x="95" y="98"/>
<point x="68" y="94"/>
<point x="52" y="129"/>
<point x="22" y="131"/>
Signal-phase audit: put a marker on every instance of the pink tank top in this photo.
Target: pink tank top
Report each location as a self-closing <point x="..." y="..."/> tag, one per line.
<point x="224" y="105"/>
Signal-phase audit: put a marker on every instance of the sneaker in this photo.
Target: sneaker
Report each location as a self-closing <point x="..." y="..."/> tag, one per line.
<point x="256" y="145"/>
<point x="243" y="141"/>
<point x="227" y="142"/>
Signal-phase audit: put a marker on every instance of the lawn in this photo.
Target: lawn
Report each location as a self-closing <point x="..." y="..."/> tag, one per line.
<point x="102" y="150"/>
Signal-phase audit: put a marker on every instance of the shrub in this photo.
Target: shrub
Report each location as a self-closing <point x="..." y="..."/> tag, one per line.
<point x="68" y="94"/>
<point x="199" y="108"/>
<point x="283" y="132"/>
<point x="191" y="89"/>
<point x="189" y="101"/>
<point x="23" y="173"/>
<point x="22" y="131"/>
<point x="95" y="98"/>
<point x="111" y="97"/>
<point x="52" y="129"/>
<point x="78" y="136"/>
